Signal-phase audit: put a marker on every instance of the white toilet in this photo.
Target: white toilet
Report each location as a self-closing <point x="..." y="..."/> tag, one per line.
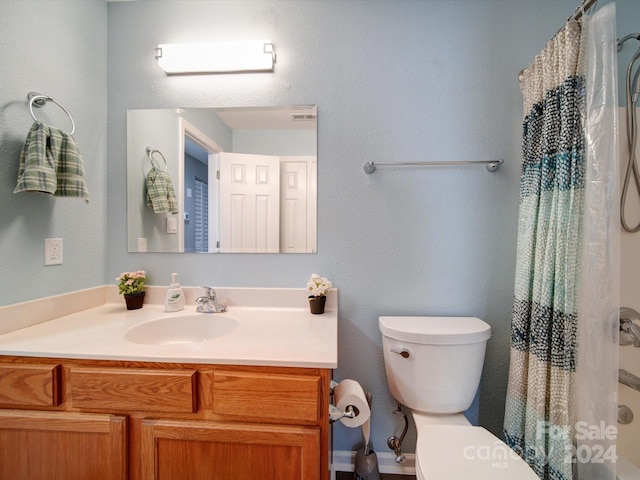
<point x="433" y="366"/>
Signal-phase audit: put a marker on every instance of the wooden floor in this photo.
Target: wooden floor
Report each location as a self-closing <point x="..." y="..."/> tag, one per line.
<point x="383" y="476"/>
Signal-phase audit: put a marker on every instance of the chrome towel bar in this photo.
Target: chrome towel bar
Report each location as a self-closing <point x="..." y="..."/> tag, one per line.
<point x="628" y="379"/>
<point x="150" y="151"/>
<point x="490" y="165"/>
<point x="38" y="100"/>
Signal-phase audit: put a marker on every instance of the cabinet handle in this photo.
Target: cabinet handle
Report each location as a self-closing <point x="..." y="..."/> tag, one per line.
<point x="404" y="353"/>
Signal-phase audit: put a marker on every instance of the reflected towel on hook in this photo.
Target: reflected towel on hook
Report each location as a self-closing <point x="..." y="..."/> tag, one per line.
<point x="51" y="163"/>
<point x="160" y="194"/>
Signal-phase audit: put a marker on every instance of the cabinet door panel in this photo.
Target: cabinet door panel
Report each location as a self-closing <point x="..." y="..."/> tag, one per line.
<point x="62" y="446"/>
<point x="215" y="451"/>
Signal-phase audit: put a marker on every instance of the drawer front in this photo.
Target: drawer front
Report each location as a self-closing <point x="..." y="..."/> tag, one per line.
<point x="29" y="385"/>
<point x="260" y="396"/>
<point x="133" y="389"/>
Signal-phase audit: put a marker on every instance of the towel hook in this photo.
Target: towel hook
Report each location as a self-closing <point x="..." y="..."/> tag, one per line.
<point x="150" y="152"/>
<point x="38" y="100"/>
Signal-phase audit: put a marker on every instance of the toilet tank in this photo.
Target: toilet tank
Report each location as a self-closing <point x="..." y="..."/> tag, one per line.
<point x="434" y="364"/>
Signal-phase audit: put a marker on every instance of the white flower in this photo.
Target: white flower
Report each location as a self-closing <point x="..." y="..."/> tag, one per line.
<point x="318" y="286"/>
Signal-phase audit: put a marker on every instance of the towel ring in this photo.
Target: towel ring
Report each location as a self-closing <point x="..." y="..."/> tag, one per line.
<point x="150" y="152"/>
<point x="38" y="100"/>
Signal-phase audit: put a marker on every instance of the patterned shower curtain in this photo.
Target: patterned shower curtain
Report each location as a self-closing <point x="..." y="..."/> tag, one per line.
<point x="539" y="407"/>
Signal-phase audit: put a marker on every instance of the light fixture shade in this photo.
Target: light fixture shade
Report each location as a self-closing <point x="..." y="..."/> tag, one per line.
<point x="216" y="57"/>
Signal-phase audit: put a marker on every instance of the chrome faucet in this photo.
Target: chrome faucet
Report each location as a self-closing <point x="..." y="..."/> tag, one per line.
<point x="208" y="302"/>
<point x="630" y="330"/>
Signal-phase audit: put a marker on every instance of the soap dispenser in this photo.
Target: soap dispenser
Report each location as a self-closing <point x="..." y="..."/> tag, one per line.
<point x="174" y="301"/>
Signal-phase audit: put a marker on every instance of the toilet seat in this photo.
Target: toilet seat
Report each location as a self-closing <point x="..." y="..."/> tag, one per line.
<point x="458" y="452"/>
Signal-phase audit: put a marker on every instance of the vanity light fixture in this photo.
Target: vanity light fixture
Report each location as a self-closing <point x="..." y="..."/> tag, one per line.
<point x="216" y="57"/>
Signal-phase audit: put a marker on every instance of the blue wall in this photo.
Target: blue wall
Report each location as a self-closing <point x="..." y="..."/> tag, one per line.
<point x="59" y="49"/>
<point x="393" y="80"/>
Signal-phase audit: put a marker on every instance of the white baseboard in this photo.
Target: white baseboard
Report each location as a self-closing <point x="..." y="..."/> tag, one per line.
<point x="344" y="461"/>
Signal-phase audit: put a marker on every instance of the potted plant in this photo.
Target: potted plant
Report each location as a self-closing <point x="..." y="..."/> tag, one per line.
<point x="318" y="288"/>
<point x="131" y="286"/>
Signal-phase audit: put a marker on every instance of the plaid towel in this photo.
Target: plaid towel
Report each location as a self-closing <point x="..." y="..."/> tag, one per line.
<point x="51" y="163"/>
<point x="160" y="195"/>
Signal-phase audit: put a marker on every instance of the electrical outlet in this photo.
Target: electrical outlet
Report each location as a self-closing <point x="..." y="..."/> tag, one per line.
<point x="52" y="251"/>
<point x="172" y="225"/>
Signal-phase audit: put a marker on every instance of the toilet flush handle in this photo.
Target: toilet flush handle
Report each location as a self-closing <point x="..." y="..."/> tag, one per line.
<point x="404" y="352"/>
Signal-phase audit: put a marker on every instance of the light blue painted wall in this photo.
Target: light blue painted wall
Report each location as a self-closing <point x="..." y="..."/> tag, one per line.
<point x="409" y="80"/>
<point x="394" y="80"/>
<point x="58" y="48"/>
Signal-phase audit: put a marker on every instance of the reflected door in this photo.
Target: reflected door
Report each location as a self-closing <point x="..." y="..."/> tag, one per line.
<point x="293" y="205"/>
<point x="249" y="203"/>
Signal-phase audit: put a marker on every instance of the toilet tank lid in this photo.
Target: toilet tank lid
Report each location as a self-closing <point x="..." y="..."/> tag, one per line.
<point x="435" y="330"/>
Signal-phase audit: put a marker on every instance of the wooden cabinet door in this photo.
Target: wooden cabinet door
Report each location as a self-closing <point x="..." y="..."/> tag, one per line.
<point x="223" y="451"/>
<point x="62" y="446"/>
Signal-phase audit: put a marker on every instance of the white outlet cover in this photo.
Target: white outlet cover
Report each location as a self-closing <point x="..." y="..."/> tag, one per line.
<point x="53" y="253"/>
<point x="172" y="225"/>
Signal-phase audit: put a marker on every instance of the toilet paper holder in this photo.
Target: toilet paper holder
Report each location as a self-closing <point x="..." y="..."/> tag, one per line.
<point x="335" y="414"/>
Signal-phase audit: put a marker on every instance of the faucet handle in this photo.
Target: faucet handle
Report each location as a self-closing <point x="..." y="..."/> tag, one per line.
<point x="631" y="332"/>
<point x="209" y="292"/>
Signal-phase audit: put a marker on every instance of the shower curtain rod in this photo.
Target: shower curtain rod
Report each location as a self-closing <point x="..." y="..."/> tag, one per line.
<point x="577" y="13"/>
<point x="583" y="7"/>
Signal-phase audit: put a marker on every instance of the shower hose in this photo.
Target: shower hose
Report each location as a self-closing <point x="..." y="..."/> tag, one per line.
<point x="633" y="91"/>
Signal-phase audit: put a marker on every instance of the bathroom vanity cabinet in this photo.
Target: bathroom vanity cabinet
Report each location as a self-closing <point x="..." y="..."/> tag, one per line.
<point x="78" y="419"/>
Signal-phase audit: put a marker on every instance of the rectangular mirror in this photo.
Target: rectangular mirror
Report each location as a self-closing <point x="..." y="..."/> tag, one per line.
<point x="222" y="180"/>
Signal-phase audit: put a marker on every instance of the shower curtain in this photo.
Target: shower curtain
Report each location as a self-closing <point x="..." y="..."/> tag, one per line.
<point x="564" y="319"/>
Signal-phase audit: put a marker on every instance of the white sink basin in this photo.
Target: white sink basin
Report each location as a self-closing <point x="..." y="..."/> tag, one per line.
<point x="192" y="328"/>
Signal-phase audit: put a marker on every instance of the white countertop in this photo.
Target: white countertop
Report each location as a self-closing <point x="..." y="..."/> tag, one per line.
<point x="282" y="335"/>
